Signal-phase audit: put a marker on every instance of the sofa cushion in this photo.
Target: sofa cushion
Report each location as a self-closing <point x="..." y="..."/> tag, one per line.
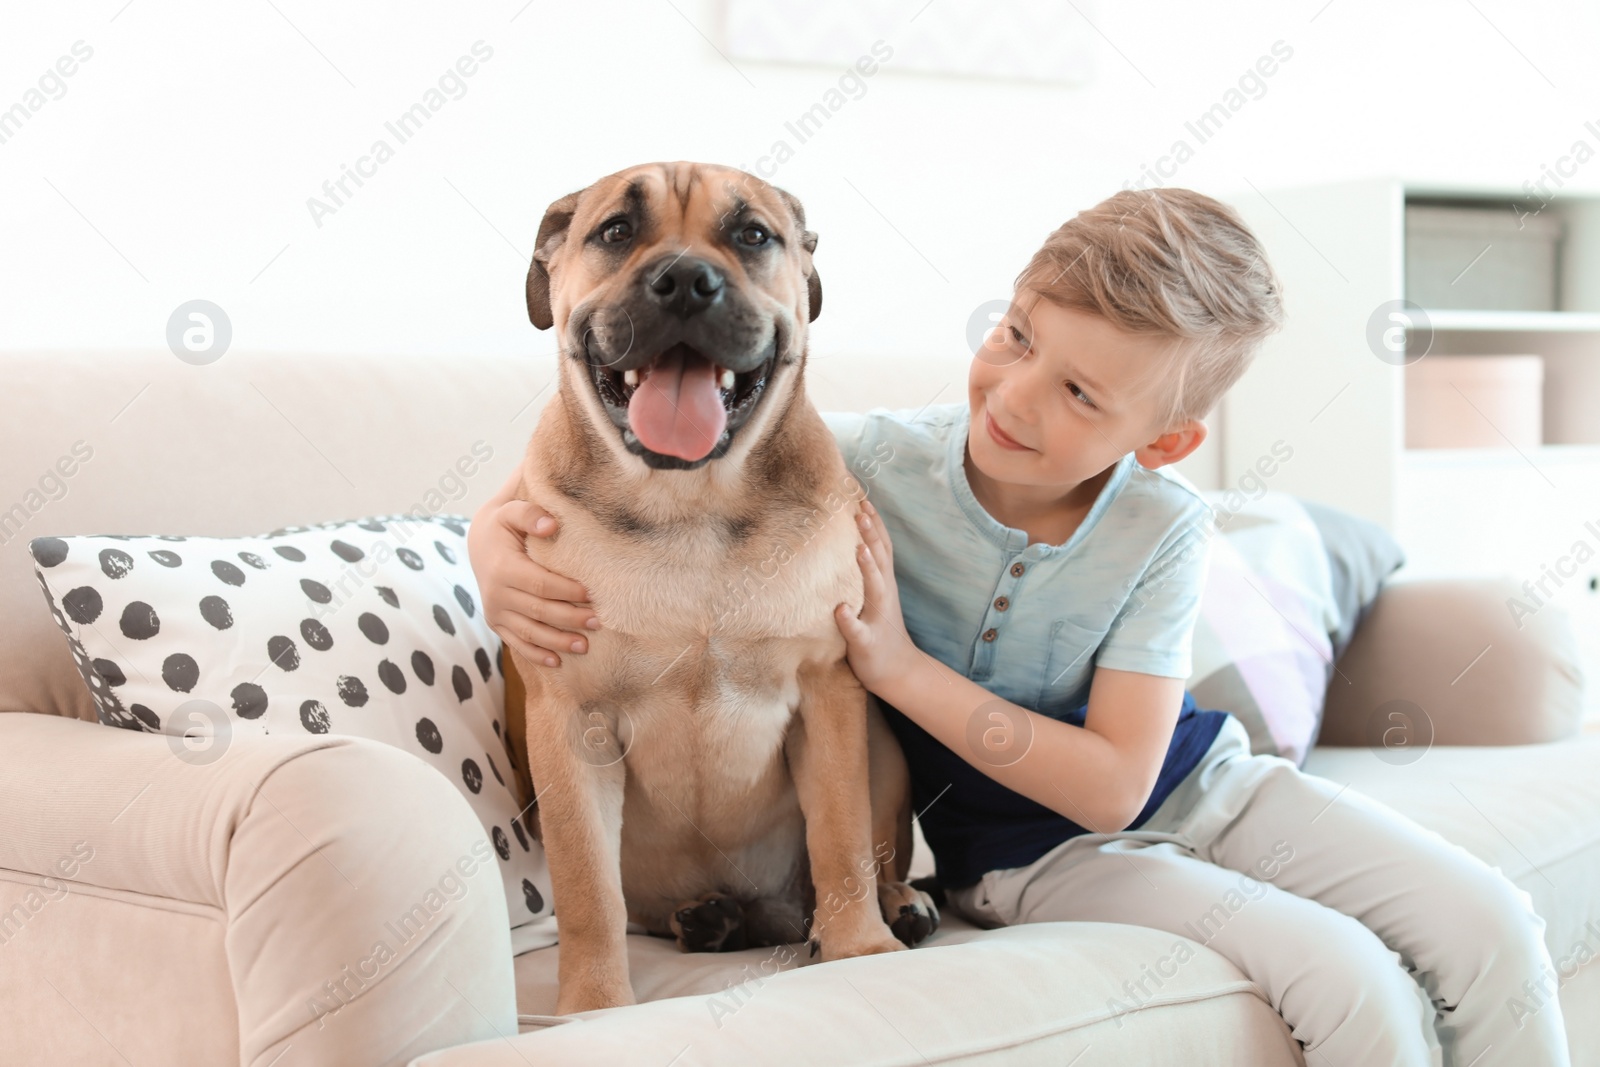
<point x="1533" y="811"/>
<point x="1035" y="994"/>
<point x="366" y="627"/>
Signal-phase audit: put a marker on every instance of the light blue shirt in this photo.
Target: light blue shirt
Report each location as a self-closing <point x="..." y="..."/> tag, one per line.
<point x="1030" y="622"/>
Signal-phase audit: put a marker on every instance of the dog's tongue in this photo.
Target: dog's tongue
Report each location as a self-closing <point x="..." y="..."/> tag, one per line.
<point x="676" y="409"/>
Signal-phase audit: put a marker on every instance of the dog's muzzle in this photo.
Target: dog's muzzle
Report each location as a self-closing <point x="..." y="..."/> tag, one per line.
<point x="682" y="371"/>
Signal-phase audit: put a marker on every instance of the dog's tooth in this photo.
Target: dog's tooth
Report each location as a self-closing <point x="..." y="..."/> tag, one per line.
<point x="631" y="377"/>
<point x="727" y="378"/>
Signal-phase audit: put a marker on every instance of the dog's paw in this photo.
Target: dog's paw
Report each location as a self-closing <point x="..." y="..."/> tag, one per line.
<point x="929" y="884"/>
<point x="836" y="946"/>
<point x="910" y="912"/>
<point x="714" y="923"/>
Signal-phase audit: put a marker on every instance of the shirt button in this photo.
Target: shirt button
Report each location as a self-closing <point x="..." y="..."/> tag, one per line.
<point x="988" y="635"/>
<point x="1001" y="604"/>
<point x="1016" y="570"/>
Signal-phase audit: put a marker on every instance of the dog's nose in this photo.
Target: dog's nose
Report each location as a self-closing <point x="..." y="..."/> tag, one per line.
<point x="685" y="285"/>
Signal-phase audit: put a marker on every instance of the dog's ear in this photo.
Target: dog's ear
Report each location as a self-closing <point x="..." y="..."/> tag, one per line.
<point x="808" y="241"/>
<point x="552" y="231"/>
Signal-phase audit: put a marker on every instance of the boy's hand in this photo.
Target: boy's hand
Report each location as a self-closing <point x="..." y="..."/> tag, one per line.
<point x="877" y="645"/>
<point x="534" y="610"/>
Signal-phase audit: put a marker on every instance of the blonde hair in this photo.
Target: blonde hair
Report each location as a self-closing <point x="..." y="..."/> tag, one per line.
<point x="1171" y="262"/>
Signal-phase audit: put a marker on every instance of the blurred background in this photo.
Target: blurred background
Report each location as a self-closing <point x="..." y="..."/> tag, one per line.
<point x="177" y="162"/>
<point x="367" y="178"/>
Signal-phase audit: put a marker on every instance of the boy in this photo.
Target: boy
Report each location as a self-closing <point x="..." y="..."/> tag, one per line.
<point x="1033" y="571"/>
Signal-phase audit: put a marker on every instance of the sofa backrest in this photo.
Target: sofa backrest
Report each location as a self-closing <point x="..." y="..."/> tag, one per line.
<point x="142" y="442"/>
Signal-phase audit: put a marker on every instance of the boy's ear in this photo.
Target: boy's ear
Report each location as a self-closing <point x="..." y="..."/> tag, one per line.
<point x="1171" y="446"/>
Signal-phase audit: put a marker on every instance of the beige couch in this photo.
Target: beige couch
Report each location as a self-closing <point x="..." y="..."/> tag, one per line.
<point x="153" y="911"/>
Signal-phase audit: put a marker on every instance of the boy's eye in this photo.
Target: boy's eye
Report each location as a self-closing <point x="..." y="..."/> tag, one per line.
<point x="1079" y="395"/>
<point x="1016" y="335"/>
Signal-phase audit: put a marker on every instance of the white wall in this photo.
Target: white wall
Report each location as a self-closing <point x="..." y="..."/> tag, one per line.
<point x="179" y="161"/>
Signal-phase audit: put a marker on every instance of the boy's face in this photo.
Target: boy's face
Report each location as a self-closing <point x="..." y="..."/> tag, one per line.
<point x="1077" y="391"/>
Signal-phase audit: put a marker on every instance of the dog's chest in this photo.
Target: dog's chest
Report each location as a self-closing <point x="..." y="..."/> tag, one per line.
<point x="696" y="585"/>
<point x="724" y="704"/>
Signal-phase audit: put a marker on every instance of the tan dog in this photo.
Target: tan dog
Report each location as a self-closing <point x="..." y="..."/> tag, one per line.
<point x="704" y="769"/>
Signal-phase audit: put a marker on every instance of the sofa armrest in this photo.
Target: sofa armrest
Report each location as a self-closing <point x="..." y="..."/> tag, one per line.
<point x="311" y="850"/>
<point x="1453" y="649"/>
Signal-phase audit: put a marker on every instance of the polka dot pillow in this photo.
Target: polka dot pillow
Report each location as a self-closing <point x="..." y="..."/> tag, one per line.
<point x="368" y="627"/>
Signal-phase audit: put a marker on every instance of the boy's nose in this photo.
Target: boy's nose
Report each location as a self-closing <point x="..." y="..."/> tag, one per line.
<point x="1015" y="390"/>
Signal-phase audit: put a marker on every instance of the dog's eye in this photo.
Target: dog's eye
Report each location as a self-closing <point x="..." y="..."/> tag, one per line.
<point x="616" y="231"/>
<point x="754" y="236"/>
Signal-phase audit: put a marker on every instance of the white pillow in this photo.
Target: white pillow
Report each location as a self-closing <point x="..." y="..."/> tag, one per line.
<point x="367" y="627"/>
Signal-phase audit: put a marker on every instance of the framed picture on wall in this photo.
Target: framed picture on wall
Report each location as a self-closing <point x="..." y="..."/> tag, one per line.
<point x="1028" y="40"/>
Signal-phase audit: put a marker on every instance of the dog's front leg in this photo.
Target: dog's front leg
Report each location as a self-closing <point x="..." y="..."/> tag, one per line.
<point x="575" y="757"/>
<point x="826" y="748"/>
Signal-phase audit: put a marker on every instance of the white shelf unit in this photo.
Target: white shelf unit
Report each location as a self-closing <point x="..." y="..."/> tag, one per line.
<point x="1516" y="321"/>
<point x="1319" y="387"/>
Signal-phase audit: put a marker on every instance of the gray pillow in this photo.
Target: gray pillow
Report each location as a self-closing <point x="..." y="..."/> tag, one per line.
<point x="1361" y="555"/>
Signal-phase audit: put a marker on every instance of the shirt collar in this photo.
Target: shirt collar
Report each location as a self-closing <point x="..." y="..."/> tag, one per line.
<point x="1008" y="538"/>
